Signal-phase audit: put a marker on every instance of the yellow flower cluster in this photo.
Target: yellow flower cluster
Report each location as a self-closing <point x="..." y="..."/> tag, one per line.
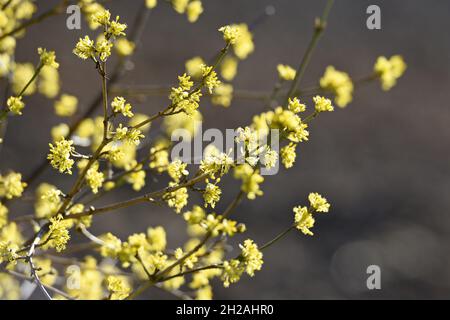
<point x="118" y="288"/>
<point x="60" y="154"/>
<point x="286" y="72"/>
<point x="251" y="180"/>
<point x="159" y="157"/>
<point x="11" y="185"/>
<point x="295" y="106"/>
<point x="15" y="105"/>
<point x="84" y="48"/>
<point x="252" y="257"/>
<point x="101" y="50"/>
<point x="48" y="58"/>
<point x="192" y="8"/>
<point x="124" y="47"/>
<point x="288" y="155"/>
<point x="249" y="261"/>
<point x="177" y="199"/>
<point x="48" y="82"/>
<point x="94" y="178"/>
<point x="182" y="98"/>
<point x="322" y="104"/>
<point x="8" y="252"/>
<point x="128" y="135"/>
<point x="211" y="195"/>
<point x="156" y="238"/>
<point x="290" y="124"/>
<point x="339" y="83"/>
<point x="66" y="106"/>
<point x="230" y="33"/>
<point x="228" y="68"/>
<point x="210" y="79"/>
<point x="318" y="202"/>
<point x="119" y="105"/>
<point x="44" y="208"/>
<point x="243" y="44"/>
<point x="177" y="170"/>
<point x="216" y="163"/>
<point x="304" y="219"/>
<point x="58" y="234"/>
<point x="389" y="70"/>
<point x="194" y="67"/>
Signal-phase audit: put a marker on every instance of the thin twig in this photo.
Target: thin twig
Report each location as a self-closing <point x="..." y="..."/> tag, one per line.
<point x="319" y="27"/>
<point x="48" y="287"/>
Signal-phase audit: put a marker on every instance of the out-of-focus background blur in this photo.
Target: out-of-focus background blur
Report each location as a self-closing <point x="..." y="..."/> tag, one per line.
<point x="383" y="162"/>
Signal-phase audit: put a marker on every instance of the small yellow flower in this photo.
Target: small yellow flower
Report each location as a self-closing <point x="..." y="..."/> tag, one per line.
<point x="189" y="262"/>
<point x="58" y="233"/>
<point x="94" y="178"/>
<point x="295" y="106"/>
<point x="15" y="105"/>
<point x="319" y="203"/>
<point x="8" y="252"/>
<point x="304" y="220"/>
<point x="232" y="272"/>
<point x="85" y="48"/>
<point x="118" y="288"/>
<point x="180" y="5"/>
<point x="59" y="131"/>
<point x="59" y="155"/>
<point x="194" y="10"/>
<point x="49" y="84"/>
<point x="22" y="73"/>
<point x="222" y="95"/>
<point x="322" y="104"/>
<point x="194" y="67"/>
<point x="151" y="3"/>
<point x="136" y="178"/>
<point x="209" y="78"/>
<point x="101" y="17"/>
<point x="66" y="106"/>
<point x="252" y="257"/>
<point x="244" y="43"/>
<point x="48" y="58"/>
<point x="286" y="72"/>
<point x="124" y="47"/>
<point x="270" y="158"/>
<point x="228" y="68"/>
<point x="119" y="105"/>
<point x="11" y="185"/>
<point x="211" y="195"/>
<point x="103" y="48"/>
<point x="389" y="70"/>
<point x="195" y="216"/>
<point x="111" y="245"/>
<point x="251" y="180"/>
<point x="230" y="33"/>
<point x="177" y="170"/>
<point x="339" y="83"/>
<point x="157" y="238"/>
<point x="288" y="155"/>
<point x="177" y="199"/>
<point x="116" y="28"/>
<point x="204" y="293"/>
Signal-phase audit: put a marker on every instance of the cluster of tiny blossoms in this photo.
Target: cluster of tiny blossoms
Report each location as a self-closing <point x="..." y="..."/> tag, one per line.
<point x="115" y="150"/>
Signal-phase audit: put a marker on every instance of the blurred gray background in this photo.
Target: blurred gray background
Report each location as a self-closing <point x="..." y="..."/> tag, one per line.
<point x="382" y="162"/>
